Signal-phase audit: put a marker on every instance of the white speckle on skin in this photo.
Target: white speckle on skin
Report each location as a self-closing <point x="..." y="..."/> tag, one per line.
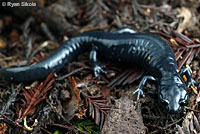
<point x="147" y="43"/>
<point x="136" y="42"/>
<point x="70" y="49"/>
<point x="134" y="49"/>
<point x="77" y="44"/>
<point x="60" y="61"/>
<point x="74" y="46"/>
<point x="130" y="48"/>
<point x="67" y="52"/>
<point x="142" y="41"/>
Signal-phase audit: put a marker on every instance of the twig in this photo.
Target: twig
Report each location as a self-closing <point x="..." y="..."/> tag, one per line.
<point x="15" y="123"/>
<point x="164" y="128"/>
<point x="47" y="32"/>
<point x="71" y="73"/>
<point x="46" y="131"/>
<point x="11" y="99"/>
<point x="29" y="48"/>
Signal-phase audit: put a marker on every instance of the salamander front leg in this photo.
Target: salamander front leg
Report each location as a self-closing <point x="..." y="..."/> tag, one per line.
<point x="139" y="90"/>
<point x="190" y="81"/>
<point x="94" y="62"/>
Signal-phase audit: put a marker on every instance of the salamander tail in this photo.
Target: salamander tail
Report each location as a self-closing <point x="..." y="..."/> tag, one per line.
<point x="21" y="74"/>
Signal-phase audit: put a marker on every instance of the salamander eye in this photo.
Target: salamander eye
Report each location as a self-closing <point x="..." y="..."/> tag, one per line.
<point x="177" y="80"/>
<point x="165" y="102"/>
<point x="182" y="103"/>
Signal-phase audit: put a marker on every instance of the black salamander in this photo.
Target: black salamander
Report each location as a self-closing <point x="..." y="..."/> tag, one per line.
<point x="125" y="46"/>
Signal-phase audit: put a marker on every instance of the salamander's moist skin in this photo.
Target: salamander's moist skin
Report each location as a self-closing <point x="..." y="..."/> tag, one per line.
<point x="126" y="46"/>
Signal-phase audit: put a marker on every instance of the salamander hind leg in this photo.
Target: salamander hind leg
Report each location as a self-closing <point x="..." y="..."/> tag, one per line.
<point x="94" y="62"/>
<point x="139" y="90"/>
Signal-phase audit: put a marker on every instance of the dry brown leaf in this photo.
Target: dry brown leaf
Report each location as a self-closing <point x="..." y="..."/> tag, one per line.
<point x="187" y="15"/>
<point x="2" y="44"/>
<point x="14" y="36"/>
<point x="71" y="106"/>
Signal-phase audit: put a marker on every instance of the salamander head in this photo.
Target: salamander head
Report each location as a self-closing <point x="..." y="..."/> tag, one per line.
<point x="173" y="94"/>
